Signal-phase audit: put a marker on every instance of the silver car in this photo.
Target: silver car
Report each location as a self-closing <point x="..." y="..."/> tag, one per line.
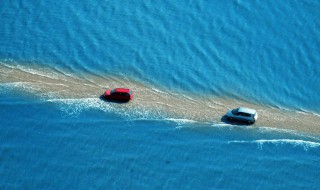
<point x="243" y="114"/>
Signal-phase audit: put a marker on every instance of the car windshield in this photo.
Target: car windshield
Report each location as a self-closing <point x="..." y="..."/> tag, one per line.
<point x="235" y="111"/>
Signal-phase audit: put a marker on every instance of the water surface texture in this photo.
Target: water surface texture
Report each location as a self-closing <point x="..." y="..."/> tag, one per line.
<point x="188" y="62"/>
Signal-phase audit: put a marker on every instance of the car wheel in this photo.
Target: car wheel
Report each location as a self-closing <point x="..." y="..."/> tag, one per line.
<point x="250" y="122"/>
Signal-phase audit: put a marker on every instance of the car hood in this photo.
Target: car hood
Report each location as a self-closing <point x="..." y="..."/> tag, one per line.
<point x="229" y="113"/>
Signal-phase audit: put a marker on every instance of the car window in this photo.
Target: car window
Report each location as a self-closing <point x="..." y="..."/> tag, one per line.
<point x="113" y="91"/>
<point x="122" y="94"/>
<point x="245" y="114"/>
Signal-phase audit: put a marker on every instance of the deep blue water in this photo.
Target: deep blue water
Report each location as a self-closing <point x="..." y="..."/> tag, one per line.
<point x="263" y="52"/>
<point x="266" y="52"/>
<point x="46" y="148"/>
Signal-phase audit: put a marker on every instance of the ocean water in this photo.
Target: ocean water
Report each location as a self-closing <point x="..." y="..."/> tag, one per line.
<point x="188" y="62"/>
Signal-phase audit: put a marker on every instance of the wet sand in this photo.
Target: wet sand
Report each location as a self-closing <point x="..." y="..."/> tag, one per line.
<point x="48" y="83"/>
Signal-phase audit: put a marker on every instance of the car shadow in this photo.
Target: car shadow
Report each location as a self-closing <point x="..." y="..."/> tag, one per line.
<point x="234" y="122"/>
<point x="113" y="101"/>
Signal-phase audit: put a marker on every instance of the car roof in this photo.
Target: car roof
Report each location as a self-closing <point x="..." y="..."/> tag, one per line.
<point x="246" y="110"/>
<point x="124" y="90"/>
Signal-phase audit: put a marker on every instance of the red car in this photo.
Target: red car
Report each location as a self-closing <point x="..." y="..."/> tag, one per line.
<point x="120" y="94"/>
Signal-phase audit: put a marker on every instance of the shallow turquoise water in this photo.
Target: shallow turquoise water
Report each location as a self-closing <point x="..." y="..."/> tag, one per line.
<point x="263" y="52"/>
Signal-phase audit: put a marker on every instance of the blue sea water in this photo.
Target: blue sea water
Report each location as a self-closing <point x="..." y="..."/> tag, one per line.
<point x="265" y="52"/>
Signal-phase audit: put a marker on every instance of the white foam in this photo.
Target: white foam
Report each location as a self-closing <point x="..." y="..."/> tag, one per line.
<point x="74" y="107"/>
<point x="44" y="73"/>
<point x="272" y="129"/>
<point x="294" y="142"/>
<point x="27" y="86"/>
<point x="222" y="125"/>
<point x="216" y="103"/>
<point x="189" y="98"/>
<point x="164" y="104"/>
<point x="159" y="91"/>
<point x="288" y="131"/>
<point x="180" y="121"/>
